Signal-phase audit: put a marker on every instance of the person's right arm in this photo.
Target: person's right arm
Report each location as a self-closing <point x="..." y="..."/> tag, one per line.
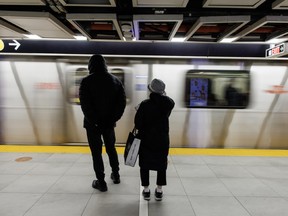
<point x="86" y="103"/>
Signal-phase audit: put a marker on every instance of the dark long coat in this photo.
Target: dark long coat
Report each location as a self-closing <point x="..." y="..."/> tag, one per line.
<point x="152" y="122"/>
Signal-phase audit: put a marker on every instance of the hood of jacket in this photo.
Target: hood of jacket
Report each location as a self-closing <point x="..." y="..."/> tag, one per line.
<point x="97" y="64"/>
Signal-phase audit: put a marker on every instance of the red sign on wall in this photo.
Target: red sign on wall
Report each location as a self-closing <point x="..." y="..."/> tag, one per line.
<point x="276" y="51"/>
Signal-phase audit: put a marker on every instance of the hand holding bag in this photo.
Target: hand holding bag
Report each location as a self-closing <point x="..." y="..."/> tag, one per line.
<point x="132" y="149"/>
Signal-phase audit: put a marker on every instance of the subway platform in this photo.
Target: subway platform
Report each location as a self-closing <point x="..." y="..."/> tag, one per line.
<point x="56" y="181"/>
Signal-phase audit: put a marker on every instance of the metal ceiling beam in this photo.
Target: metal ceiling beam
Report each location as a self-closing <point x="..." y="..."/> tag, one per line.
<point x="261" y="22"/>
<point x="42" y="24"/>
<point x="232" y="4"/>
<point x="177" y="18"/>
<point x="280" y="4"/>
<point x="238" y="20"/>
<point x="10" y="31"/>
<point x="22" y="2"/>
<point x="278" y="34"/>
<point x="162" y="4"/>
<point x="73" y="18"/>
<point x="91" y="3"/>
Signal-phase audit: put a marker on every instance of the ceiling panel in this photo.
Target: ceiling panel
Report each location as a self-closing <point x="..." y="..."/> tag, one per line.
<point x="97" y="26"/>
<point x="166" y="3"/>
<point x="280" y="4"/>
<point x="220" y="26"/>
<point x="42" y="24"/>
<point x="156" y="27"/>
<point x="232" y="4"/>
<point x="22" y="2"/>
<point x="9" y="31"/>
<point x="264" y="29"/>
<point x="93" y="3"/>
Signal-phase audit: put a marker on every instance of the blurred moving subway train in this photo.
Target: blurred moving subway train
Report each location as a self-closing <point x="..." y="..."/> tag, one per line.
<point x="220" y="103"/>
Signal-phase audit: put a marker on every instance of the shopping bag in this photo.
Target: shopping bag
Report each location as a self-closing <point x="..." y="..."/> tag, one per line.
<point x="131" y="149"/>
<point x="133" y="153"/>
<point x="129" y="142"/>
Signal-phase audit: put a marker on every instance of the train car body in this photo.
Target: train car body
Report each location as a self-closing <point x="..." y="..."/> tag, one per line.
<point x="39" y="100"/>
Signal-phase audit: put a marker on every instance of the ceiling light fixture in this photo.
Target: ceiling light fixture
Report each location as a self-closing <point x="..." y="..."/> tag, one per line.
<point x="178" y="39"/>
<point x="126" y="27"/>
<point x="32" y="36"/>
<point x="79" y="37"/>
<point x="228" y="40"/>
<point x="277" y="40"/>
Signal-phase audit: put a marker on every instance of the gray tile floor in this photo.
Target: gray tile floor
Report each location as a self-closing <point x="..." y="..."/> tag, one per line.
<point x="60" y="185"/>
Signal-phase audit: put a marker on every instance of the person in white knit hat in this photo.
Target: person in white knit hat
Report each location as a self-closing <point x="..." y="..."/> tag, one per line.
<point x="152" y="122"/>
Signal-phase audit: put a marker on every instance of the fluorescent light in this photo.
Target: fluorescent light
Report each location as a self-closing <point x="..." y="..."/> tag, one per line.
<point x="277" y="40"/>
<point x="228" y="40"/>
<point x="178" y="39"/>
<point x="80" y="37"/>
<point x="32" y="36"/>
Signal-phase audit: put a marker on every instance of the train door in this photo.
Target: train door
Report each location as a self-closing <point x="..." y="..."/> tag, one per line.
<point x="74" y="116"/>
<point x="32" y="111"/>
<point x="75" y="132"/>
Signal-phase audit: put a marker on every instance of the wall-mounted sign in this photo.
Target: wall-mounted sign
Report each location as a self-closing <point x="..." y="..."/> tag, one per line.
<point x="277" y="51"/>
<point x="73" y="47"/>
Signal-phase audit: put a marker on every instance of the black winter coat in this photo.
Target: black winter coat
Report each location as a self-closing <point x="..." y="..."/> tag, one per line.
<point x="152" y="122"/>
<point x="102" y="99"/>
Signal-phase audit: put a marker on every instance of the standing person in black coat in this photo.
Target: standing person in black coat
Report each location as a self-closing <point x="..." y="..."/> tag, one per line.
<point x="103" y="100"/>
<point x="152" y="122"/>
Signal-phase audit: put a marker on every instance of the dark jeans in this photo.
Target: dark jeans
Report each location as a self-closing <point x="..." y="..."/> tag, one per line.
<point x="161" y="177"/>
<point x="94" y="135"/>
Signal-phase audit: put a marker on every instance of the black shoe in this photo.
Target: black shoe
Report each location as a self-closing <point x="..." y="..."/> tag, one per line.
<point x="115" y="178"/>
<point x="158" y="195"/>
<point x="99" y="186"/>
<point x="146" y="195"/>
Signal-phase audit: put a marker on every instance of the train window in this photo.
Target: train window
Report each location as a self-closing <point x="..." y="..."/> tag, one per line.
<point x="74" y="81"/>
<point x="75" y="78"/>
<point x="217" y="89"/>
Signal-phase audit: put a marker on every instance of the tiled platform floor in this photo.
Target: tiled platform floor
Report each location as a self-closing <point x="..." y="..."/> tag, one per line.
<point x="57" y="184"/>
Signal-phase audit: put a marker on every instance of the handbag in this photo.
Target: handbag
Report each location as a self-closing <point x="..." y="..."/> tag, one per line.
<point x="132" y="148"/>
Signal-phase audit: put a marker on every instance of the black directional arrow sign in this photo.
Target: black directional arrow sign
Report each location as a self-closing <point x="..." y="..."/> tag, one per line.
<point x="70" y="47"/>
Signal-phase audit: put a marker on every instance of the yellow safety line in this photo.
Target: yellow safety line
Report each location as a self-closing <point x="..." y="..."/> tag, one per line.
<point x="173" y="151"/>
<point x="44" y="149"/>
<point x="229" y="152"/>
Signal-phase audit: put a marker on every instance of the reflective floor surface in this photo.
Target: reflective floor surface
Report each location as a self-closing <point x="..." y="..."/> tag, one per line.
<point x="59" y="184"/>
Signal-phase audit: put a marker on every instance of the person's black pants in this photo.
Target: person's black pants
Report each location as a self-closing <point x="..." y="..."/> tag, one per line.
<point x="94" y="135"/>
<point x="161" y="177"/>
